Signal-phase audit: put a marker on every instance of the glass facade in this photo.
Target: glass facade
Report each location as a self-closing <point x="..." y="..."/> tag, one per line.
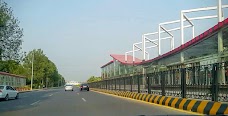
<point x="225" y="38"/>
<point x="194" y="54"/>
<point x="201" y="69"/>
<point x="204" y="48"/>
<point x="117" y="69"/>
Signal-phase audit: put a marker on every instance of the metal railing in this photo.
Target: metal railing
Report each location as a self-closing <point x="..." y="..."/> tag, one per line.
<point x="196" y="82"/>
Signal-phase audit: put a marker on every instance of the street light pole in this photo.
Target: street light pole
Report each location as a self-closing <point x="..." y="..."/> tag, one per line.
<point x="32" y="70"/>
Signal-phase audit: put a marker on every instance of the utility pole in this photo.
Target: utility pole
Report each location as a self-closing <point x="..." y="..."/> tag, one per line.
<point x="32" y="69"/>
<point x="46" y="82"/>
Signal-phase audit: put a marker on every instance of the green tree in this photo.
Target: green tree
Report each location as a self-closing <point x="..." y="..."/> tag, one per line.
<point x="44" y="70"/>
<point x="93" y="79"/>
<point x="12" y="66"/>
<point x="61" y="80"/>
<point x="39" y="61"/>
<point x="10" y="34"/>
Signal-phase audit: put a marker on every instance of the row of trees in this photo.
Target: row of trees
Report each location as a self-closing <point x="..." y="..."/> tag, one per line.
<point x="93" y="79"/>
<point x="44" y="70"/>
<point x="12" y="60"/>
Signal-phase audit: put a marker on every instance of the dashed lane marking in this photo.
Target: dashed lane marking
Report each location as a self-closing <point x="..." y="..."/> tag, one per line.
<point x="83" y="99"/>
<point x="35" y="102"/>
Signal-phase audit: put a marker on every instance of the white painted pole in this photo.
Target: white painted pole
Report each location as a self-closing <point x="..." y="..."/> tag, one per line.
<point x="133" y="50"/>
<point x="221" y="72"/>
<point x="143" y="47"/>
<point x="125" y="57"/>
<point x="182" y="35"/>
<point x="199" y="9"/>
<point x="220" y="18"/>
<point x="193" y="31"/>
<point x="219" y="10"/>
<point x="182" y="29"/>
<point x="159" y="40"/>
<point x="172" y="43"/>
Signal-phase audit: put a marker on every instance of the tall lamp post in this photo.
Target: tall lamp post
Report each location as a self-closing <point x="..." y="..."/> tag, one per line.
<point x="32" y="70"/>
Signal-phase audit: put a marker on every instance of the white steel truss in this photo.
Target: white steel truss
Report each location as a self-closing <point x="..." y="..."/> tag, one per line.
<point x="162" y="29"/>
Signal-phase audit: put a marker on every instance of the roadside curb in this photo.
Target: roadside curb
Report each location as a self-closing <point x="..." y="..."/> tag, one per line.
<point x="29" y="91"/>
<point x="39" y="89"/>
<point x="199" y="106"/>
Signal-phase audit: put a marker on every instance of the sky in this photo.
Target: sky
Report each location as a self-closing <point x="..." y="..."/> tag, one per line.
<point x="79" y="35"/>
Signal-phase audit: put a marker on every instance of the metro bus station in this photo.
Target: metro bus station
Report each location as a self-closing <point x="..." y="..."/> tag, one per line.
<point x="197" y="68"/>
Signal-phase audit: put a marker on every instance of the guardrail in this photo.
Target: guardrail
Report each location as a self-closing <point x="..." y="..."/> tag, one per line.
<point x="198" y="82"/>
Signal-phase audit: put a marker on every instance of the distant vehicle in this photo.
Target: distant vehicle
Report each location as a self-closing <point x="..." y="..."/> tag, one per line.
<point x="7" y="92"/>
<point x="69" y="88"/>
<point x="84" y="87"/>
<point x="73" y="83"/>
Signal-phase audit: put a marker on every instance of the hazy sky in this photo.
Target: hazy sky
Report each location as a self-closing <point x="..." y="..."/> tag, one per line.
<point x="79" y="35"/>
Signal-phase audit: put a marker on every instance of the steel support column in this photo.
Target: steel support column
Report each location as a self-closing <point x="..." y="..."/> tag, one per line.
<point x="215" y="87"/>
<point x="106" y="84"/>
<point x="124" y="83"/>
<point x="112" y="84"/>
<point x="131" y="82"/>
<point x="163" y="83"/>
<point x="149" y="84"/>
<point x="183" y="83"/>
<point x="138" y="81"/>
<point x="119" y="84"/>
<point x="115" y="83"/>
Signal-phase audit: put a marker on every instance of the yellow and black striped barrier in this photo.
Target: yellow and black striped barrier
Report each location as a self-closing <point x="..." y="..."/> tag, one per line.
<point x="200" y="106"/>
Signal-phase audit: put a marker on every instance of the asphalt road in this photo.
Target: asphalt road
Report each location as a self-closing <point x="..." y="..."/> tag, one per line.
<point x="57" y="102"/>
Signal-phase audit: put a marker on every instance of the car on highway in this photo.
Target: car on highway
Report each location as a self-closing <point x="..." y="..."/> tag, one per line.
<point x="7" y="92"/>
<point x="84" y="87"/>
<point x="69" y="87"/>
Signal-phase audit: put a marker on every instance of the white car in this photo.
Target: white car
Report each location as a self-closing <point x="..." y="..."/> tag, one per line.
<point x="69" y="88"/>
<point x="8" y="92"/>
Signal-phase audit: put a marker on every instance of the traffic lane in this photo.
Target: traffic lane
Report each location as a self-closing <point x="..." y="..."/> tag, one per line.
<point x="25" y="100"/>
<point x="85" y="103"/>
<point x="59" y="104"/>
<point x="103" y="104"/>
<point x="65" y="103"/>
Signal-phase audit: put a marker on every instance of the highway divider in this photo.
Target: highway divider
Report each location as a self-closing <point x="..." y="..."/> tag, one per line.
<point x="28" y="90"/>
<point x="200" y="106"/>
<point x="24" y="91"/>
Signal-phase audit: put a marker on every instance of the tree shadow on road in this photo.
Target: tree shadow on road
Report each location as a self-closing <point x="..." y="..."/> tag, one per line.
<point x="24" y="101"/>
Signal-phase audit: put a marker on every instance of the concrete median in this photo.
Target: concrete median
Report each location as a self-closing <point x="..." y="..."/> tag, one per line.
<point x="194" y="105"/>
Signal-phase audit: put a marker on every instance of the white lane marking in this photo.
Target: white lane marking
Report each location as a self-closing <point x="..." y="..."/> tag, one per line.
<point x="83" y="99"/>
<point x="51" y="95"/>
<point x="78" y="93"/>
<point x="35" y="102"/>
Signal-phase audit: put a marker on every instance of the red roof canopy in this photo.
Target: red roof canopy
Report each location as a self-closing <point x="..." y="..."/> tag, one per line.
<point x="197" y="39"/>
<point x="13" y="75"/>
<point x="121" y="58"/>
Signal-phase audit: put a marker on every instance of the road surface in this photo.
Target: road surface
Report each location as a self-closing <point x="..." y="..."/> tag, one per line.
<point x="57" y="102"/>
